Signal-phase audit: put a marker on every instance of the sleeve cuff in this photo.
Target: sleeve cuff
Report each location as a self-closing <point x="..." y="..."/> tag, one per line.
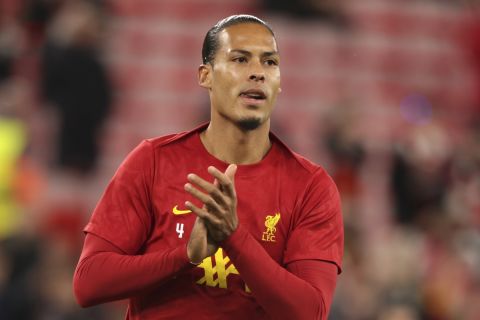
<point x="236" y="242"/>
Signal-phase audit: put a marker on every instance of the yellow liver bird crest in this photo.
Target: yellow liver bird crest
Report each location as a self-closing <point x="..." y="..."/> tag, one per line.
<point x="271" y="222"/>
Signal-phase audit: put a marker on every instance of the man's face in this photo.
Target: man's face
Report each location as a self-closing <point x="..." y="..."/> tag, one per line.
<point x="244" y="79"/>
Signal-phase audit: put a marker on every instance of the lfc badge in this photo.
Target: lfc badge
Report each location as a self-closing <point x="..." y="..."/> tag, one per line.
<point x="270" y="223"/>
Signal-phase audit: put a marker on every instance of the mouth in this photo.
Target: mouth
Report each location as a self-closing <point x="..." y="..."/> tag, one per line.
<point x="253" y="96"/>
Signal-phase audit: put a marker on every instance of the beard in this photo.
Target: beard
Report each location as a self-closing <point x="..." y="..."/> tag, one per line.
<point x="249" y="124"/>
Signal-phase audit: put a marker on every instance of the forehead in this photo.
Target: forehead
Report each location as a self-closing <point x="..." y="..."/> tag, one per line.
<point x="247" y="36"/>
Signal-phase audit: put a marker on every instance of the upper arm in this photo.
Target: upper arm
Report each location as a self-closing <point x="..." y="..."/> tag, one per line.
<point x="123" y="215"/>
<point x="95" y="244"/>
<point x="318" y="230"/>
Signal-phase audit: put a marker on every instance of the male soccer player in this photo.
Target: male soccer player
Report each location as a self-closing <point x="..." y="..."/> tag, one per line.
<point x="224" y="221"/>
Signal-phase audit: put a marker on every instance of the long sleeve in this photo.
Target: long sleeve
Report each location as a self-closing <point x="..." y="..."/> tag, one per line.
<point x="301" y="286"/>
<point x="303" y="290"/>
<point x="104" y="273"/>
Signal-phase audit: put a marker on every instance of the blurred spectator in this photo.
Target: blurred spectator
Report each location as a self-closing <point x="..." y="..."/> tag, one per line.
<point x="470" y="35"/>
<point x="345" y="150"/>
<point x="75" y="82"/>
<point x="463" y="201"/>
<point x="420" y="173"/>
<point x="6" y="57"/>
<point x="55" y="270"/>
<point x="382" y="279"/>
<point x="19" y="256"/>
<point x="13" y="131"/>
<point x="35" y="17"/>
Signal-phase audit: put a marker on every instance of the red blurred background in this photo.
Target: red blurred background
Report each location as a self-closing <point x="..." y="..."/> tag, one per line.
<point x="384" y="94"/>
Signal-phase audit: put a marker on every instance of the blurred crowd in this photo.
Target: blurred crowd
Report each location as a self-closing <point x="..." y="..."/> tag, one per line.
<point x="417" y="259"/>
<point x="55" y="95"/>
<point x="423" y="261"/>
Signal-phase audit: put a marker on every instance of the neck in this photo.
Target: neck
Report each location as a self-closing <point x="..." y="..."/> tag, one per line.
<point x="231" y="144"/>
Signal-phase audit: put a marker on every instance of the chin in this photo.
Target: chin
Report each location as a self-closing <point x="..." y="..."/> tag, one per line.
<point x="249" y="124"/>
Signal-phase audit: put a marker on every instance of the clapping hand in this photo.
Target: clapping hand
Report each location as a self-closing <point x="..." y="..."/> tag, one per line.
<point x="217" y="219"/>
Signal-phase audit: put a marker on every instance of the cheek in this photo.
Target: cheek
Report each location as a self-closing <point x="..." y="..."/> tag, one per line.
<point x="225" y="80"/>
<point x="277" y="79"/>
<point x="273" y="76"/>
<point x="230" y="86"/>
<point x="276" y="86"/>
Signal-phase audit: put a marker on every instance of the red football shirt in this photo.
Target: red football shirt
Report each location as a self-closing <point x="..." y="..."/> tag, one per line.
<point x="287" y="203"/>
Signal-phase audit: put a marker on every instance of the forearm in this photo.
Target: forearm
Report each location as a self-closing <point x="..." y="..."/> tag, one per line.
<point x="105" y="274"/>
<point x="283" y="294"/>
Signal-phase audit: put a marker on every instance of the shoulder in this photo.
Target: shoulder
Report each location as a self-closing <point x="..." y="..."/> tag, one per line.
<point x="179" y="139"/>
<point x="173" y="139"/>
<point x="298" y="162"/>
<point x="170" y="139"/>
<point x="149" y="150"/>
<point x="310" y="178"/>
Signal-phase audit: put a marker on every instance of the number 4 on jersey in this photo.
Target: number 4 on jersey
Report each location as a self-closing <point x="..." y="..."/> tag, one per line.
<point x="179" y="230"/>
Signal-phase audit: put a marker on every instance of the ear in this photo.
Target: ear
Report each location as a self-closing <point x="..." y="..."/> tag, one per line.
<point x="204" y="76"/>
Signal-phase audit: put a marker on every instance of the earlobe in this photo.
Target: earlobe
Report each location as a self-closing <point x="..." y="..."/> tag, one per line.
<point x="204" y="76"/>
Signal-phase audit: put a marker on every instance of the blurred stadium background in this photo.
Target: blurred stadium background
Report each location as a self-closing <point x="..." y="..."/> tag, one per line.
<point x="385" y="94"/>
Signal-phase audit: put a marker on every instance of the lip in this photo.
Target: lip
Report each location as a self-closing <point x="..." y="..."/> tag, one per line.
<point x="253" y="101"/>
<point x="254" y="91"/>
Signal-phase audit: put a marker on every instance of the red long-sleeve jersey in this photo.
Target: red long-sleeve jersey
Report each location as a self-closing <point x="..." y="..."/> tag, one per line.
<point x="281" y="262"/>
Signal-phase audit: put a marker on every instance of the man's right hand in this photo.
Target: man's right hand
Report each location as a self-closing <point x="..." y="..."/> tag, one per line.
<point x="200" y="245"/>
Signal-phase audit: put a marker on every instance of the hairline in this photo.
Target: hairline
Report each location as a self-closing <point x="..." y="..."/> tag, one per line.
<point x="228" y="22"/>
<point x="217" y="35"/>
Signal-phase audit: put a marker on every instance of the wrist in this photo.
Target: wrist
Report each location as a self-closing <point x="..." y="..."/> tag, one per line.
<point x="235" y="238"/>
<point x="190" y="259"/>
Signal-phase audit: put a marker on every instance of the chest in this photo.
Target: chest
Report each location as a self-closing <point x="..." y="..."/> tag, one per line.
<point x="263" y="207"/>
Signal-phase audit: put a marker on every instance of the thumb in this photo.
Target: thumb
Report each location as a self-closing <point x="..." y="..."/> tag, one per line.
<point x="230" y="172"/>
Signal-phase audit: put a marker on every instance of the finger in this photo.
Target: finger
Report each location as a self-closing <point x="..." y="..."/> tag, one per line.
<point x="207" y="200"/>
<point x="231" y="171"/>
<point x="227" y="183"/>
<point x="202" y="213"/>
<point x="219" y="175"/>
<point x="210" y="188"/>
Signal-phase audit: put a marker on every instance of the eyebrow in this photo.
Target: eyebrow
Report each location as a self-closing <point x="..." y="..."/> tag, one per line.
<point x="248" y="53"/>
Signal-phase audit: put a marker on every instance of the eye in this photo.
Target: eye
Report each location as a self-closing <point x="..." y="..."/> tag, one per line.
<point x="271" y="62"/>
<point x="240" y="59"/>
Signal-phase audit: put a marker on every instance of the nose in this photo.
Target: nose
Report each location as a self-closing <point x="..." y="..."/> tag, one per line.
<point x="257" y="77"/>
<point x="256" y="72"/>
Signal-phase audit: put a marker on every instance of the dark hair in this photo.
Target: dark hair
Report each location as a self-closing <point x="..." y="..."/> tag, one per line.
<point x="210" y="43"/>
